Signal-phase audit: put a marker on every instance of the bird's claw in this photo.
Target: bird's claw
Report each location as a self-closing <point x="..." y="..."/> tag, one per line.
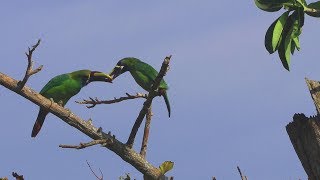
<point x="60" y="103"/>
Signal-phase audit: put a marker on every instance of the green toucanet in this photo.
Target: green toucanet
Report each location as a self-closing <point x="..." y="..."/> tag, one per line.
<point x="62" y="87"/>
<point x="143" y="74"/>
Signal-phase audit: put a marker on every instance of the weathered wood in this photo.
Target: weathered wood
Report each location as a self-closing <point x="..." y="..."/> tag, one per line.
<point x="314" y="88"/>
<point x="304" y="134"/>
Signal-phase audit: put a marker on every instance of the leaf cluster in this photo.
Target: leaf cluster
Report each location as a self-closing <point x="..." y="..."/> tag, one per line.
<point x="283" y="34"/>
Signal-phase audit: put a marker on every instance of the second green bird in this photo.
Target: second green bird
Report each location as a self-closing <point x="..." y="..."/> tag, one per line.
<point x="143" y="74"/>
<point x="62" y="87"/>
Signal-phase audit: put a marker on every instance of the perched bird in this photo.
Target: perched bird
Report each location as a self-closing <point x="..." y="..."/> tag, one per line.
<point x="143" y="74"/>
<point x="62" y="87"/>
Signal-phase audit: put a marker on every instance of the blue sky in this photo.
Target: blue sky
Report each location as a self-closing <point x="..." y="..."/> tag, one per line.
<point x="230" y="99"/>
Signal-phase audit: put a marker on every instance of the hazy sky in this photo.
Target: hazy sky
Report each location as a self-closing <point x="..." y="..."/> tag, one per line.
<point x="230" y="99"/>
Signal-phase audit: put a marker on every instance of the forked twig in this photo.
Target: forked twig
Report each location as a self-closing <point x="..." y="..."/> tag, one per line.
<point x="94" y="101"/>
<point x="243" y="177"/>
<point x="103" y="142"/>
<point x="17" y="176"/>
<point x="100" y="178"/>
<point x="30" y="71"/>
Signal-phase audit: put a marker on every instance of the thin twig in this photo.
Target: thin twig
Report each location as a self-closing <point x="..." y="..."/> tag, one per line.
<point x="242" y="176"/>
<point x="17" y="176"/>
<point x="95" y="173"/>
<point x="30" y="71"/>
<point x="148" y="102"/>
<point x="94" y="101"/>
<point x="145" y="139"/>
<point x="85" y="145"/>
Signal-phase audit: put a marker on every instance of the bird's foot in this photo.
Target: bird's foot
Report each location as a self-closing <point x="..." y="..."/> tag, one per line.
<point x="60" y="103"/>
<point x="161" y="92"/>
<point x="52" y="101"/>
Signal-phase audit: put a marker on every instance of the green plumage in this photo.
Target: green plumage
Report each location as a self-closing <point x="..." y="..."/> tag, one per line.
<point x="62" y="87"/>
<point x="144" y="75"/>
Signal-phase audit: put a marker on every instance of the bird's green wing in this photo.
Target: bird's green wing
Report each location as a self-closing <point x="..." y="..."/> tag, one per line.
<point x="61" y="88"/>
<point x="56" y="81"/>
<point x="147" y="75"/>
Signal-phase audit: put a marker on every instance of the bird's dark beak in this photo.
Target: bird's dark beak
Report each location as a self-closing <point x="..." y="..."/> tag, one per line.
<point x="116" y="71"/>
<point x="99" y="76"/>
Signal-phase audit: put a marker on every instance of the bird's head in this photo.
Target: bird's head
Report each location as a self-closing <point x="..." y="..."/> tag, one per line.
<point x="124" y="65"/>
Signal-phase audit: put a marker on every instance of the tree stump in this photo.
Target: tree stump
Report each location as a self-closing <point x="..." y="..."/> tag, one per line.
<point x="304" y="134"/>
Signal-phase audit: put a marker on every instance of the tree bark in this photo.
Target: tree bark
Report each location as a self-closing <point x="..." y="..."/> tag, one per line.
<point x="304" y="134"/>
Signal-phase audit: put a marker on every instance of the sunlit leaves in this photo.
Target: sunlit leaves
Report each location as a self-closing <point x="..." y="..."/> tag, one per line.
<point x="290" y="37"/>
<point x="283" y="34"/>
<point x="273" y="35"/>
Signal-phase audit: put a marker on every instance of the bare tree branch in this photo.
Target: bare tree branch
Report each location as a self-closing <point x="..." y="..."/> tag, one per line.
<point x="148" y="102"/>
<point x="100" y="178"/>
<point x="243" y="177"/>
<point x="126" y="153"/>
<point x="95" y="101"/>
<point x="30" y="71"/>
<point x="145" y="139"/>
<point x="103" y="142"/>
<point x="17" y="176"/>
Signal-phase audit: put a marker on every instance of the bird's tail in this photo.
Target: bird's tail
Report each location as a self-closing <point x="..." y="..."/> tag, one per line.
<point x="165" y="97"/>
<point x="38" y="124"/>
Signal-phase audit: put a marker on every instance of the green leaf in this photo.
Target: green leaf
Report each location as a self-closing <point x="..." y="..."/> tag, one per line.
<point x="293" y="47"/>
<point x="273" y="34"/>
<point x="296" y="42"/>
<point x="314" y="5"/>
<point x="166" y="166"/>
<point x="290" y="37"/>
<point x="298" y="21"/>
<point x="284" y="50"/>
<point x="268" y="7"/>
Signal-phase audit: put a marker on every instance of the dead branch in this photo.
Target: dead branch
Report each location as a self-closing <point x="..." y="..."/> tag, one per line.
<point x="146" y="105"/>
<point x="314" y="89"/>
<point x="304" y="133"/>
<point x="95" y="101"/>
<point x="103" y="142"/>
<point x="145" y="139"/>
<point x="30" y="71"/>
<point x="126" y="153"/>
<point x="243" y="177"/>
<point x="99" y="178"/>
<point x="17" y="176"/>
